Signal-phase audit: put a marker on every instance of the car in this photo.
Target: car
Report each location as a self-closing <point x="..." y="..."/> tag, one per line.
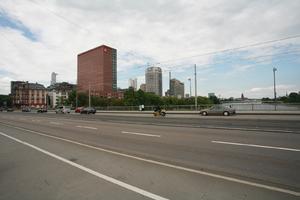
<point x="88" y="110"/>
<point x="218" y="110"/>
<point x="63" y="110"/>
<point x="1" y="109"/>
<point x="26" y="109"/>
<point x="9" y="110"/>
<point x="42" y="110"/>
<point x="78" y="109"/>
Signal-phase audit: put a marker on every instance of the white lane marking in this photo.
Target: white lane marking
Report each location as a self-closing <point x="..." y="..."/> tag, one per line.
<point x="236" y="180"/>
<point x="247" y="129"/>
<point x="90" y="171"/>
<point x="55" y="123"/>
<point x="255" y="145"/>
<point x="142" y="134"/>
<point x="87" y="127"/>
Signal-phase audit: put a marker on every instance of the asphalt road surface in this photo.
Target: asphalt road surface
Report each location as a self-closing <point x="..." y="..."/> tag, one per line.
<point x="49" y="156"/>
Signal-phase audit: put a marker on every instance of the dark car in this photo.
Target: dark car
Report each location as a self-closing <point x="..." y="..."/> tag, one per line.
<point x="26" y="109"/>
<point x="42" y="110"/>
<point x="88" y="110"/>
<point x="218" y="110"/>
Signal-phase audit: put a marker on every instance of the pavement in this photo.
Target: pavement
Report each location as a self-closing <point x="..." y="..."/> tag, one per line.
<point x="53" y="156"/>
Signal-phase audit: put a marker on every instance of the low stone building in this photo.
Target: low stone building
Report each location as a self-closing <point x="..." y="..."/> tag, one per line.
<point x="58" y="93"/>
<point x="25" y="94"/>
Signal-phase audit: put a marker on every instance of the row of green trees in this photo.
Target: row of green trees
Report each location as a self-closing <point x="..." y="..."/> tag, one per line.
<point x="293" y="97"/>
<point x="136" y="98"/>
<point x="5" y="101"/>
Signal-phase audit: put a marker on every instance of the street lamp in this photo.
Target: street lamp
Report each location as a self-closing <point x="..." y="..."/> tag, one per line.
<point x="196" y="98"/>
<point x="89" y="94"/>
<point x="189" y="79"/>
<point x="274" y="70"/>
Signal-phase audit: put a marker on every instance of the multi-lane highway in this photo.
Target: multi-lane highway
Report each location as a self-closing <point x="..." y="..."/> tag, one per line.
<point x="113" y="156"/>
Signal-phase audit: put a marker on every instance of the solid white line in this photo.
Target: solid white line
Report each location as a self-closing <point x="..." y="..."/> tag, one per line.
<point x="247" y="129"/>
<point x="259" y="185"/>
<point x="87" y="127"/>
<point x="142" y="134"/>
<point x="56" y="123"/>
<point x="83" y="168"/>
<point x="255" y="145"/>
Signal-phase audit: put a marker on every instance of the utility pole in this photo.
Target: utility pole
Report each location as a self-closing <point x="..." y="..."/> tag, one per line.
<point x="274" y="70"/>
<point x="169" y="83"/>
<point x="195" y="87"/>
<point x="76" y="99"/>
<point x="89" y="95"/>
<point x="190" y="87"/>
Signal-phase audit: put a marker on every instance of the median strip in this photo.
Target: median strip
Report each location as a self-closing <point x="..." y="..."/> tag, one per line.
<point x="255" y="145"/>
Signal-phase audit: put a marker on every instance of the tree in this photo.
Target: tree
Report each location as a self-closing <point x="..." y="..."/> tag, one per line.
<point x="83" y="99"/>
<point x="294" y="97"/>
<point x="71" y="98"/>
<point x="214" y="99"/>
<point x="130" y="98"/>
<point x="5" y="101"/>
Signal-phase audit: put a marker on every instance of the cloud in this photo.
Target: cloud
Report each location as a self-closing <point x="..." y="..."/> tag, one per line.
<point x="5" y="84"/>
<point x="268" y="91"/>
<point x="142" y="31"/>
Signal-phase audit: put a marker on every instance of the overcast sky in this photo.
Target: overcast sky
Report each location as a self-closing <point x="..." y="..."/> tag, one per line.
<point x="38" y="37"/>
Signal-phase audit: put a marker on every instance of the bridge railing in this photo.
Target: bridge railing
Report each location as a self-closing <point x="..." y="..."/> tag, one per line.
<point x="237" y="106"/>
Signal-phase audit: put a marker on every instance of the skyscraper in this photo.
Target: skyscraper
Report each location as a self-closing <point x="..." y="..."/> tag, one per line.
<point x="143" y="87"/>
<point x="154" y="80"/>
<point x="133" y="83"/>
<point x="53" y="78"/>
<point x="176" y="88"/>
<point x="97" y="71"/>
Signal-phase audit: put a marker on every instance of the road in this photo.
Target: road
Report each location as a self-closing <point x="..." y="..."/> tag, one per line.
<point x="49" y="156"/>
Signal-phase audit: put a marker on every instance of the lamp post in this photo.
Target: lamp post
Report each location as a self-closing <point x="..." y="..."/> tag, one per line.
<point x="196" y="87"/>
<point x="89" y="95"/>
<point x="189" y="79"/>
<point x="274" y="70"/>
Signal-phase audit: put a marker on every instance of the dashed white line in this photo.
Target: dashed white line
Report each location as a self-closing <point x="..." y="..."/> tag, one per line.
<point x="87" y="127"/>
<point x="255" y="145"/>
<point x="55" y="123"/>
<point x="227" y="178"/>
<point x="90" y="171"/>
<point x="142" y="134"/>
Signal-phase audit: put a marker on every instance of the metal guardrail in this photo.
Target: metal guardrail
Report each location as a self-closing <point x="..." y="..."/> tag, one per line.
<point x="237" y="106"/>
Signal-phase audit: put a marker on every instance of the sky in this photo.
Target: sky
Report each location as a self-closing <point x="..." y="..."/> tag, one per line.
<point x="38" y="37"/>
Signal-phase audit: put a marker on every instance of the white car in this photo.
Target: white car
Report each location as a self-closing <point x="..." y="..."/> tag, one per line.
<point x="63" y="110"/>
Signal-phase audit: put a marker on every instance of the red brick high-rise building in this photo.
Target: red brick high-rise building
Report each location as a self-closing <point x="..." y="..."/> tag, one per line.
<point x="97" y="71"/>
